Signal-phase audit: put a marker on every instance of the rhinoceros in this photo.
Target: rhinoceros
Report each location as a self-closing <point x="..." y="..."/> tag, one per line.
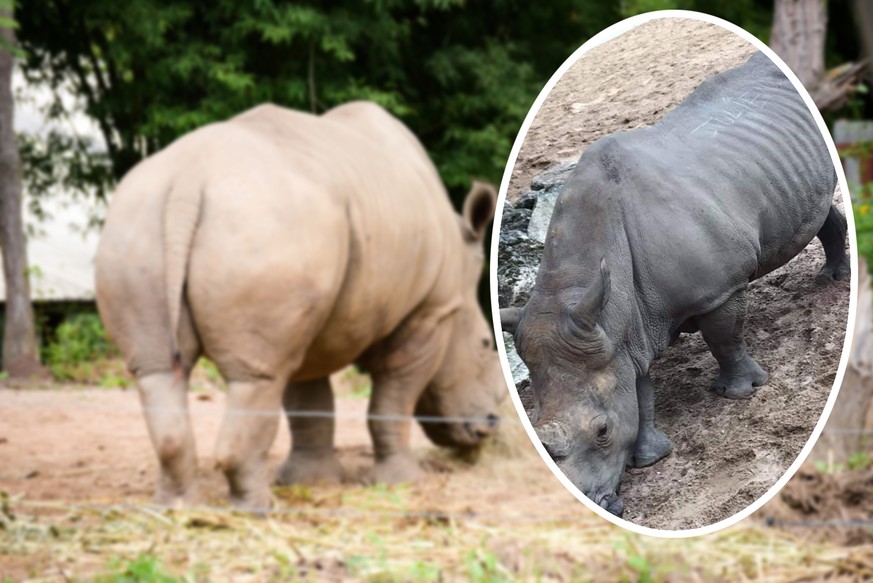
<point x="658" y="231"/>
<point x="284" y="246"/>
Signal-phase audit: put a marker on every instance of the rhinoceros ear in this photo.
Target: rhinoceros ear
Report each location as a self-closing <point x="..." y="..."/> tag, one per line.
<point x="509" y="318"/>
<point x="479" y="209"/>
<point x="587" y="310"/>
<point x="555" y="438"/>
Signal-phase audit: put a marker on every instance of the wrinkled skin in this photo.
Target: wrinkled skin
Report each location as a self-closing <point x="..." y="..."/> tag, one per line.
<point x="659" y="231"/>
<point x="284" y="246"/>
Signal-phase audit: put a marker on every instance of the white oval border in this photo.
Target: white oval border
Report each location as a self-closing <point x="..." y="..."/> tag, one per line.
<point x="601" y="37"/>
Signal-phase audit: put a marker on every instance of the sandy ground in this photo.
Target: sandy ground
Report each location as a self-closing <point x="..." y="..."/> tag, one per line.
<point x="72" y="444"/>
<point x="628" y="82"/>
<point x="69" y="456"/>
<point x="726" y="453"/>
<point x="78" y="444"/>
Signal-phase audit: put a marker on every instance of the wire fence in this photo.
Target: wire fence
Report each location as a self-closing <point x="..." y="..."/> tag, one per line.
<point x="287" y="413"/>
<point x="581" y="520"/>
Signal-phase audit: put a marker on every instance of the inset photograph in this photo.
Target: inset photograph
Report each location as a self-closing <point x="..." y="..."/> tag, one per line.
<point x="673" y="273"/>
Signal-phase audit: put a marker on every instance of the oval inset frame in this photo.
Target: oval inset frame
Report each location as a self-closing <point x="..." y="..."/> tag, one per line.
<point x="603" y="36"/>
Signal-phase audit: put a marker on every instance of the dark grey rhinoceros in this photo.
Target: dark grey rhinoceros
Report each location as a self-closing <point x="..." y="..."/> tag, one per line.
<point x="659" y="231"/>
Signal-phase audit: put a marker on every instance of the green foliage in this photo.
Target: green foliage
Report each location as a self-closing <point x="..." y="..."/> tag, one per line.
<point x="864" y="220"/>
<point x="858" y="461"/>
<point x="483" y="567"/>
<point x="360" y="384"/>
<point x="462" y="75"/>
<point x="423" y="571"/>
<point x="79" y="351"/>
<point x="144" y="569"/>
<point x="78" y="339"/>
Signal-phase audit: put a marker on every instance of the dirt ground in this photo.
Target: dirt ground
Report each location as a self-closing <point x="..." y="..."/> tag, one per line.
<point x="88" y="444"/>
<point x="625" y="83"/>
<point x="726" y="453"/>
<point x="76" y="470"/>
<point x="831" y="506"/>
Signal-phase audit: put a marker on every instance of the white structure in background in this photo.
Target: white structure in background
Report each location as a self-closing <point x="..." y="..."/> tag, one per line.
<point x="61" y="248"/>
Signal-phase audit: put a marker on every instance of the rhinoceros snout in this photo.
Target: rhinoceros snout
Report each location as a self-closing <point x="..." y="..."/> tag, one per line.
<point x="612" y="504"/>
<point x="481" y="429"/>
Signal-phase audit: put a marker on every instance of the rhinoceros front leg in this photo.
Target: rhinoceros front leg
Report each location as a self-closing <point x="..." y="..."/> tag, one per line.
<point x="722" y="328"/>
<point x="312" y="458"/>
<point x="391" y="406"/>
<point x="164" y="398"/>
<point x="247" y="432"/>
<point x="401" y="368"/>
<point x="652" y="443"/>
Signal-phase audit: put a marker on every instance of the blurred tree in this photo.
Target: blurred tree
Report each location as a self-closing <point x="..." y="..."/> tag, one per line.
<point x="461" y="75"/>
<point x="799" y="37"/>
<point x="20" y="355"/>
<point x="797" y="30"/>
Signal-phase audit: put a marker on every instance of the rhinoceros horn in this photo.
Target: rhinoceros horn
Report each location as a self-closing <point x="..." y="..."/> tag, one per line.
<point x="586" y="312"/>
<point x="555" y="438"/>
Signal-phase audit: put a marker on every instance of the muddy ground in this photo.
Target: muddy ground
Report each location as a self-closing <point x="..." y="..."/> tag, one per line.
<point x="726" y="453"/>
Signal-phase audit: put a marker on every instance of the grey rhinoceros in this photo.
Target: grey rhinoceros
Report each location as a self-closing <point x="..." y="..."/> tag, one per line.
<point x="658" y="231"/>
<point x="284" y="246"/>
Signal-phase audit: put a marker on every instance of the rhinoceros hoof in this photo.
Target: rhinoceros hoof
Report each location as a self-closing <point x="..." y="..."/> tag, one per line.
<point x="652" y="445"/>
<point x="258" y="502"/>
<point x="174" y="498"/>
<point x="741" y="386"/>
<point x="395" y="469"/>
<point x="310" y="469"/>
<point x="830" y="273"/>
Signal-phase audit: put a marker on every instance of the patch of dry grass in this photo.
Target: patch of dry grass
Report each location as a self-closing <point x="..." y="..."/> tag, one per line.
<point x="499" y="520"/>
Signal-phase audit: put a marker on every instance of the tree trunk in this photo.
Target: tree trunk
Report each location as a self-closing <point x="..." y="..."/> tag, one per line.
<point x="20" y="356"/>
<point x="798" y="37"/>
<point x="844" y="434"/>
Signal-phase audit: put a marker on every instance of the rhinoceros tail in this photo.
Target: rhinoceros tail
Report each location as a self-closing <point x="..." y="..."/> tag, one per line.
<point x="181" y="214"/>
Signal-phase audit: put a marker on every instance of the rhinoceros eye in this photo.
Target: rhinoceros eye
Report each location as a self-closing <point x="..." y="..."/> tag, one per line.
<point x="602" y="433"/>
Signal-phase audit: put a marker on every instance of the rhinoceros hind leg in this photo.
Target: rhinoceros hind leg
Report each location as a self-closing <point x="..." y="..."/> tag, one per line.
<point x="652" y="443"/>
<point x="739" y="376"/>
<point x="247" y="432"/>
<point x="833" y="238"/>
<point x="164" y="399"/>
<point x="312" y="458"/>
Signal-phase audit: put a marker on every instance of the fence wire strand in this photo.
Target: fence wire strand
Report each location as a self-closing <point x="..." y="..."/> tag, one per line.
<point x="350" y="512"/>
<point x="288" y="413"/>
<point x="582" y="520"/>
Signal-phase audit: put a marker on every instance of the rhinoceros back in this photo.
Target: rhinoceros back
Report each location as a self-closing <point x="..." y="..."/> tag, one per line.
<point x="738" y="177"/>
<point x="750" y="138"/>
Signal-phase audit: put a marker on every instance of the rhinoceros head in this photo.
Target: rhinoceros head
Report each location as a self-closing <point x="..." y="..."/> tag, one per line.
<point x="468" y="385"/>
<point x="585" y="406"/>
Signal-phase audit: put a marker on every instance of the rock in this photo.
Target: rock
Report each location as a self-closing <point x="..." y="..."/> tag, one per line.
<point x="541" y="215"/>
<point x="520" y="248"/>
<point x="527" y="201"/>
<point x="516" y="366"/>
<point x="518" y="258"/>
<point x="547" y="186"/>
<point x="514" y="219"/>
<point x="553" y="177"/>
